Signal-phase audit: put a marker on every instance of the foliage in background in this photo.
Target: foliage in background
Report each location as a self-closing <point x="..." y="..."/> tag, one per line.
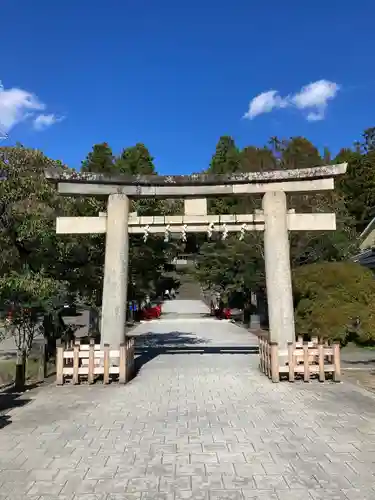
<point x="25" y="297"/>
<point x="232" y="268"/>
<point x="334" y="300"/>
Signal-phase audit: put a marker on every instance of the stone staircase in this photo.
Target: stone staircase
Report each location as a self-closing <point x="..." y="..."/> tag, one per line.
<point x="189" y="288"/>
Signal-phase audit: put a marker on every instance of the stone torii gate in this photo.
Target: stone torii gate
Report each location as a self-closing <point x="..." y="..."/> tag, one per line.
<point x="274" y="218"/>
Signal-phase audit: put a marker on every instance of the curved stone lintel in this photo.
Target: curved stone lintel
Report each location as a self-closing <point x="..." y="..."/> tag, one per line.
<point x="300" y="174"/>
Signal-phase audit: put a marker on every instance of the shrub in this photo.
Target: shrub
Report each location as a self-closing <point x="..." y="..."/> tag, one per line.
<point x="335" y="300"/>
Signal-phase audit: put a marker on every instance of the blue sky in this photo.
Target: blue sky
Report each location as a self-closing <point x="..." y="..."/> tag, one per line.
<point x="176" y="75"/>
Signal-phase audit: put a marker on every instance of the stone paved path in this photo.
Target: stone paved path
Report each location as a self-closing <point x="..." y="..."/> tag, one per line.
<point x="192" y="426"/>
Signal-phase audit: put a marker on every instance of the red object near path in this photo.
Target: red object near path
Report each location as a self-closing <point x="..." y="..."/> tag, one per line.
<point x="227" y="313"/>
<point x="152" y="312"/>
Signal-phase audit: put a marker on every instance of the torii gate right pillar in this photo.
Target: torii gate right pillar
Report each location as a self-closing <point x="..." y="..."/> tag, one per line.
<point x="278" y="269"/>
<point x="115" y="271"/>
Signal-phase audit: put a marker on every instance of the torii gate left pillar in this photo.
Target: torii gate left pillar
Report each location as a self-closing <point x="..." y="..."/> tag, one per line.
<point x="115" y="270"/>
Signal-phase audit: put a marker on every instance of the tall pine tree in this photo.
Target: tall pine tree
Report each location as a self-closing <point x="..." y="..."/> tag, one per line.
<point x="226" y="158"/>
<point x="136" y="160"/>
<point x="99" y="160"/>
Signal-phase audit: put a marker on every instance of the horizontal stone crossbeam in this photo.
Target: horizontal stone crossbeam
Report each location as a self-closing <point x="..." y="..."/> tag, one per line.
<point x="195" y="223"/>
<point x="198" y="185"/>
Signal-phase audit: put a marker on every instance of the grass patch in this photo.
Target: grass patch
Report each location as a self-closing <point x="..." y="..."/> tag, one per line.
<point x="8" y="370"/>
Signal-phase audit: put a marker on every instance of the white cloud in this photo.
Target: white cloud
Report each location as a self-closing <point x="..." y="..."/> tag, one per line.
<point x="18" y="105"/>
<point x="264" y="103"/>
<point x="313" y="98"/>
<point x="42" y="122"/>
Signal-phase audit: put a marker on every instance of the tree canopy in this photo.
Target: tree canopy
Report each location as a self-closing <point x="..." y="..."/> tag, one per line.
<point x="334" y="300"/>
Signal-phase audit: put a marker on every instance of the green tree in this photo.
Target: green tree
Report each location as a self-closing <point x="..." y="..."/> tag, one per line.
<point x="226" y="157"/>
<point x="26" y="297"/>
<point x="358" y="186"/>
<point x="335" y="300"/>
<point x="135" y="160"/>
<point x="232" y="268"/>
<point x="299" y="152"/>
<point x="99" y="160"/>
<point x="368" y="137"/>
<point x="28" y="209"/>
<point x="225" y="160"/>
<point x="254" y="159"/>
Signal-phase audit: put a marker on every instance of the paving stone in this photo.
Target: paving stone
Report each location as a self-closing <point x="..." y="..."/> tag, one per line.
<point x="47" y="497"/>
<point x="110" y="486"/>
<point x="168" y="484"/>
<point x="328" y="494"/>
<point x="192" y="469"/>
<point x="90" y="496"/>
<point x="78" y="486"/>
<point x="270" y="481"/>
<point x="360" y="493"/>
<point x="224" y="468"/>
<point x="238" y="482"/>
<point x="296" y="494"/>
<point x="121" y="496"/>
<point x="46" y="488"/>
<point x="154" y="495"/>
<point x="143" y="484"/>
<point x="192" y="495"/>
<point x="264" y="495"/>
<point x="204" y="458"/>
<point x="226" y="495"/>
<point x="213" y="482"/>
<point x="301" y="481"/>
<point x="101" y="472"/>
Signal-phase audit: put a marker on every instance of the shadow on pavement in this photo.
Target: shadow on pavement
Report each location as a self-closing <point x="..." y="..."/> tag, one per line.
<point x="150" y="345"/>
<point x="359" y="362"/>
<point x="9" y="399"/>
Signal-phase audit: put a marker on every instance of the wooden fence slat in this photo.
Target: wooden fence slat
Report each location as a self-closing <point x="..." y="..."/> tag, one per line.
<point x="59" y="365"/>
<point x="291" y="349"/>
<point x="132" y="352"/>
<point x="322" y="375"/>
<point x="129" y="358"/>
<point x="106" y="364"/>
<point x="263" y="356"/>
<point x="91" y="366"/>
<point x="306" y="364"/>
<point x="275" y="374"/>
<point x="336" y="362"/>
<point x="122" y="374"/>
<point x="76" y="363"/>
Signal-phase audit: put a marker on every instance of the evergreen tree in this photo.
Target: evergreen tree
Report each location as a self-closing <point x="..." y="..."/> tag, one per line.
<point x="369" y="139"/>
<point x="136" y="160"/>
<point x="299" y="152"/>
<point x="226" y="158"/>
<point x="99" y="160"/>
<point x="358" y="185"/>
